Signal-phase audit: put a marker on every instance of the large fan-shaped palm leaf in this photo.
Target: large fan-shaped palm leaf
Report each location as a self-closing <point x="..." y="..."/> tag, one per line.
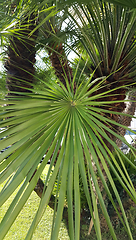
<point x="42" y="123"/>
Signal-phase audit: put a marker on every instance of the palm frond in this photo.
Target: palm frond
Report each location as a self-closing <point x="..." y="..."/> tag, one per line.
<point x="36" y="128"/>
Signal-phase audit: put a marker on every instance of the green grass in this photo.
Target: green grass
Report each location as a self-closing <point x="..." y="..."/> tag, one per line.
<point x="21" y="225"/>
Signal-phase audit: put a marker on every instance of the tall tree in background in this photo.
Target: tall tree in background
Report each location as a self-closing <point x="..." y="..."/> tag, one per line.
<point x="75" y="119"/>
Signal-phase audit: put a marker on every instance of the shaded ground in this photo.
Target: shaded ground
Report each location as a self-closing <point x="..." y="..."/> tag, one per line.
<point x="130" y="210"/>
<point x="119" y="229"/>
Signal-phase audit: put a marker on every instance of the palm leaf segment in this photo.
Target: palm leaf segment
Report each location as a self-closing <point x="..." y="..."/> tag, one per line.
<point x="125" y="3"/>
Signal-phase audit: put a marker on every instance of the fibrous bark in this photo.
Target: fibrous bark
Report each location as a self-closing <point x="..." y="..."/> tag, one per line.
<point x="61" y="65"/>
<point x="21" y="59"/>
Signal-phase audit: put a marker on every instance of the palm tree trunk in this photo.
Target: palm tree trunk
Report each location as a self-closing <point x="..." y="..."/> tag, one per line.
<point x="21" y="59"/>
<point x="60" y="63"/>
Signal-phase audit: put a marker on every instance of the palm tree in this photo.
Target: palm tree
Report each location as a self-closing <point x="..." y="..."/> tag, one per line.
<point x="75" y="122"/>
<point x="21" y="59"/>
<point x="103" y="30"/>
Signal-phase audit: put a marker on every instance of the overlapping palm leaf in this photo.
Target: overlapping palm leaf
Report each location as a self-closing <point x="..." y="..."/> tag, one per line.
<point x="105" y="33"/>
<point x="124" y="3"/>
<point x="131" y="3"/>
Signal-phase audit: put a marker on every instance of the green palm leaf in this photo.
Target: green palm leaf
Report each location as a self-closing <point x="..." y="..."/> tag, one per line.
<point x="43" y="130"/>
<point x="125" y="3"/>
